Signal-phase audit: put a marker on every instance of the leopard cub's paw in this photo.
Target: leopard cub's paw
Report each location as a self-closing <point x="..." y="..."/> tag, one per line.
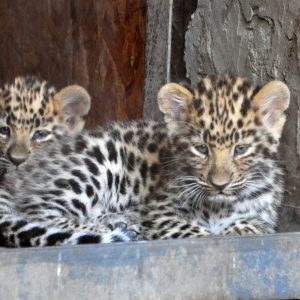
<point x="114" y="220"/>
<point x="120" y="233"/>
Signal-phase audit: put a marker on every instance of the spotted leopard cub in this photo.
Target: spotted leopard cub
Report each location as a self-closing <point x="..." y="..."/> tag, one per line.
<point x="211" y="168"/>
<point x="29" y="110"/>
<point x="221" y="173"/>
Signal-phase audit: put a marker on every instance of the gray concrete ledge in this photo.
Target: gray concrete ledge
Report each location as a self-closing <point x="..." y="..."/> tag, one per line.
<point x="246" y="267"/>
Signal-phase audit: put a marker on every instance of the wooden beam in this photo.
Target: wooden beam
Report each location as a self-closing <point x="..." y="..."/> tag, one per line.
<point x="158" y="53"/>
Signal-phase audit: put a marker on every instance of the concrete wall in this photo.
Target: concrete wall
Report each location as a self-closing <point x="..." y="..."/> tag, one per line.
<point x="243" y="267"/>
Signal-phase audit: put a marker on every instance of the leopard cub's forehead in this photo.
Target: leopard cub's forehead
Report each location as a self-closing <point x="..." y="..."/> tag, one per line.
<point x="28" y="100"/>
<point x="223" y="108"/>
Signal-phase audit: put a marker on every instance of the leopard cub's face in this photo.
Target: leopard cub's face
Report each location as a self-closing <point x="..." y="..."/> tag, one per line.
<point x="30" y="109"/>
<point x="226" y="133"/>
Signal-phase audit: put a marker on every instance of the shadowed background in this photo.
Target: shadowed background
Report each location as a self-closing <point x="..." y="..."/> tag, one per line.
<point x="97" y="44"/>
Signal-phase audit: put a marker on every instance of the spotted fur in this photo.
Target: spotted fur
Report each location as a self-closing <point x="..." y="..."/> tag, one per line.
<point x="210" y="169"/>
<point x="29" y="109"/>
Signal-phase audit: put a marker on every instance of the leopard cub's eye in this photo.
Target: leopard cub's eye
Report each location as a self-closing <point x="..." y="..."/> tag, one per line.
<point x="40" y="134"/>
<point x="5" y="131"/>
<point x="240" y="149"/>
<point x="203" y="149"/>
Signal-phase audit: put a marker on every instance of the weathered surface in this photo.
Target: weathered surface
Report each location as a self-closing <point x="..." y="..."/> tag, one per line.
<point x="247" y="267"/>
<point x="158" y="54"/>
<point x="167" y="22"/>
<point x="182" y="11"/>
<point x="258" y="39"/>
<point x="97" y="44"/>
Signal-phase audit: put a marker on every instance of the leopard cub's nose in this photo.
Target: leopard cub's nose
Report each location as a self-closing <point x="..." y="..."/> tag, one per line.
<point x="220" y="187"/>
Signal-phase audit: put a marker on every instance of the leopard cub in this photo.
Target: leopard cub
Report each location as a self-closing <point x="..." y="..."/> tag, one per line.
<point x="211" y="168"/>
<point x="221" y="173"/>
<point x="30" y="108"/>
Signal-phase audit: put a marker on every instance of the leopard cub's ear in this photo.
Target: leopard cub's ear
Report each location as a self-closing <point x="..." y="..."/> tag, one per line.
<point x="75" y="103"/>
<point x="273" y="99"/>
<point x="172" y="101"/>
